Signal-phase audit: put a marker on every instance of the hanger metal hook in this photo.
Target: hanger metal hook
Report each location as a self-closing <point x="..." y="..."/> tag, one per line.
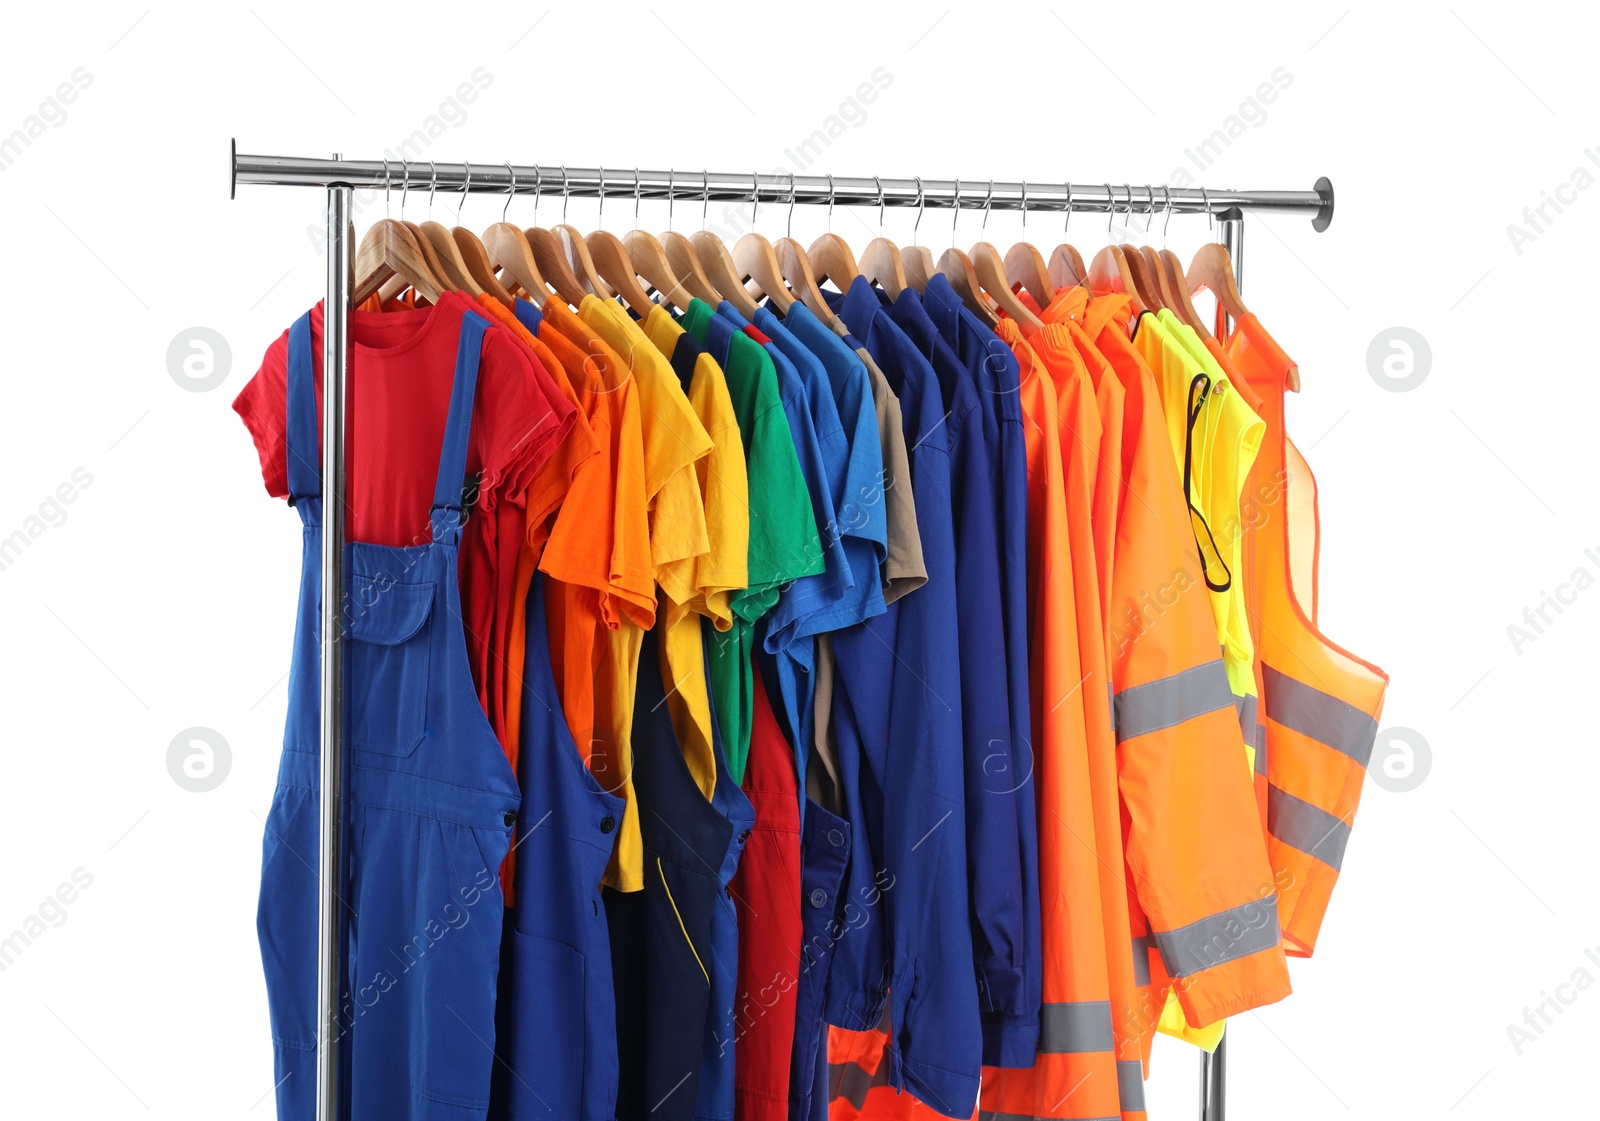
<point x="510" y="191"/>
<point x="433" y="182"/>
<point x="672" y="193"/>
<point x="705" y="196"/>
<point x="755" y="196"/>
<point x="405" y="188"/>
<point x="600" y="218"/>
<point x="538" y="183"/>
<point x="1204" y="198"/>
<point x="788" y="228"/>
<point x="1066" y="223"/>
<point x="1166" y="190"/>
<point x="1024" y="204"/>
<point x="988" y="201"/>
<point x="466" y="186"/>
<point x="1128" y="187"/>
<point x="830" y="202"/>
<point x="922" y="204"/>
<point x="879" y="182"/>
<point x="566" y="194"/>
<point x="386" y="186"/>
<point x="955" y="211"/>
<point x="1111" y="210"/>
<point x="636" y="186"/>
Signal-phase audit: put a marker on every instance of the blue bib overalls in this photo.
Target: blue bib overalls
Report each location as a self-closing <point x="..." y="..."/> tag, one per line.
<point x="430" y="806"/>
<point x="557" y="1016"/>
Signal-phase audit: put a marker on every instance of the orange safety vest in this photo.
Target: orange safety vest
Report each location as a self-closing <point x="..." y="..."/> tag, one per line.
<point x="1320" y="703"/>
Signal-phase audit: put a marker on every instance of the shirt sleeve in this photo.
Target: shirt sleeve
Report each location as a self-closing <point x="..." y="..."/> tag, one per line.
<point x="520" y="418"/>
<point x="262" y="405"/>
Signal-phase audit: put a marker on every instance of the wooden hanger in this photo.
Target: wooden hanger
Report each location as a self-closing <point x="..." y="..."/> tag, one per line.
<point x="722" y="272"/>
<point x="1109" y="272"/>
<point x="1143" y="280"/>
<point x="1181" y="305"/>
<point x="802" y="278"/>
<point x="755" y="258"/>
<point x="478" y="264"/>
<point x="508" y="250"/>
<point x="917" y="260"/>
<point x="1024" y="265"/>
<point x="958" y="269"/>
<point x="1213" y="269"/>
<point x="650" y="261"/>
<point x="880" y="263"/>
<point x="991" y="272"/>
<point x="390" y="251"/>
<point x="1066" y="266"/>
<point x="554" y="266"/>
<point x="476" y="256"/>
<point x="437" y="237"/>
<point x="580" y="262"/>
<point x="615" y="266"/>
<point x="832" y="259"/>
<point x="456" y="273"/>
<point x="686" y="267"/>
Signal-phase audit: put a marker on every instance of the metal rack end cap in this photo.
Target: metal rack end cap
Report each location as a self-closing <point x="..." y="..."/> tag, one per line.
<point x="233" y="167"/>
<point x="1324" y="217"/>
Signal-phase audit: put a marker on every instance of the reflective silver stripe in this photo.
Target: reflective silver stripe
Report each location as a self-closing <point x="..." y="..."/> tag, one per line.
<point x="851" y="1081"/>
<point x="1141" y="959"/>
<point x="1318" y="715"/>
<point x="1245" y="706"/>
<point x="989" y="1115"/>
<point x="1311" y="829"/>
<point x="1075" y="1027"/>
<point x="1169" y="701"/>
<point x="1130" y="1085"/>
<point x="1223" y="937"/>
<point x="1261" y="749"/>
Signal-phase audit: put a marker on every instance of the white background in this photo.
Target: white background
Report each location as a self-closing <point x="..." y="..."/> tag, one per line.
<point x="163" y="600"/>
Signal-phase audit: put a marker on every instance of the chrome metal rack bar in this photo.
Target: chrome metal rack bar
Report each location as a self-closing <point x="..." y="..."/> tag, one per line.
<point x="340" y="177"/>
<point x="807" y="190"/>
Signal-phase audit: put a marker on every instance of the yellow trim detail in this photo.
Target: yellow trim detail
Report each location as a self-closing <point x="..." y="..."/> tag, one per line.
<point x="679" y="915"/>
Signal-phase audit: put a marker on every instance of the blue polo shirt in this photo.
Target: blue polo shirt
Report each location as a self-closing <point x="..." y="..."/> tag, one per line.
<point x="859" y="504"/>
<point x="811" y="605"/>
<point x="1002" y="830"/>
<point x="899" y="707"/>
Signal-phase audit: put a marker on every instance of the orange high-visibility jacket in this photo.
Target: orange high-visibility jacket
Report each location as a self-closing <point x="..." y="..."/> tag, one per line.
<point x="1320" y="703"/>
<point x="1201" y="893"/>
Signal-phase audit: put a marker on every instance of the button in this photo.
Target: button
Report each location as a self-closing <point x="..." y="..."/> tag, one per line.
<point x="836" y="838"/>
<point x="745" y="836"/>
<point x="511" y="818"/>
<point x="607" y="823"/>
<point x="819" y="898"/>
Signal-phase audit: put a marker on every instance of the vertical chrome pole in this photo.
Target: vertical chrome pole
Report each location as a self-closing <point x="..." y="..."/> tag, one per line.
<point x="335" y="367"/>
<point x="1214" y="1066"/>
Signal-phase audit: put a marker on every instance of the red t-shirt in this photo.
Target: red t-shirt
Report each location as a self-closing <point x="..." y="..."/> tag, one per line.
<point x="398" y="396"/>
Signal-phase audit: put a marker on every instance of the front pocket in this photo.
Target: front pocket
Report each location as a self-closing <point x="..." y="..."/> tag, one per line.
<point x="546" y="1045"/>
<point x="391" y="626"/>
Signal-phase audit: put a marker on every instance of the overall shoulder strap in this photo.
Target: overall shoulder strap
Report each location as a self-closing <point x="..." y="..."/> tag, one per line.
<point x="302" y="443"/>
<point x="448" y="514"/>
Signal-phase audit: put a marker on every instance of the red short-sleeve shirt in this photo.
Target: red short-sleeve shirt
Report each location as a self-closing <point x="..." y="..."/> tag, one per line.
<point x="399" y="394"/>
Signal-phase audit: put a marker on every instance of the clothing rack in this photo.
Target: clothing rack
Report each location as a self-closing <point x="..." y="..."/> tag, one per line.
<point x="339" y="177"/>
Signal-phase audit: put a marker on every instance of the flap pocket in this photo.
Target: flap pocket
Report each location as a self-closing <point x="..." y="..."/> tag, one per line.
<point x="386" y="612"/>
